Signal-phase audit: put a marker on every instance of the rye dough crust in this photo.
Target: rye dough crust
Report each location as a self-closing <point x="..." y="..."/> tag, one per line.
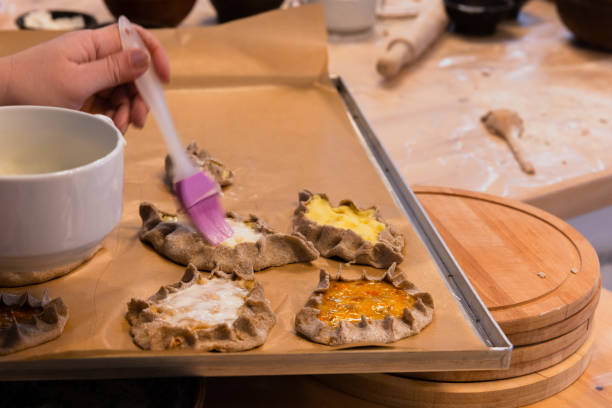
<point x="180" y="243"/>
<point x="367" y="331"/>
<point x="346" y="244"/>
<point x="204" y="161"/>
<point x="41" y="327"/>
<point x="249" y="330"/>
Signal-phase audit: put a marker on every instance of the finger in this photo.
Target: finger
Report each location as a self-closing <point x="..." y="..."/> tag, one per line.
<point x="96" y="104"/>
<point x="121" y="117"/>
<point x="121" y="101"/>
<point x="158" y="54"/>
<point x="139" y="112"/>
<point x="139" y="106"/>
<point x="131" y="89"/>
<point x="119" y="96"/>
<point x="88" y="106"/>
<point x="115" y="69"/>
<point x="107" y="41"/>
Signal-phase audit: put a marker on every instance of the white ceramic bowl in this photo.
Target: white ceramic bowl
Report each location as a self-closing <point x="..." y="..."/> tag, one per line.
<point x="61" y="188"/>
<point x="349" y="16"/>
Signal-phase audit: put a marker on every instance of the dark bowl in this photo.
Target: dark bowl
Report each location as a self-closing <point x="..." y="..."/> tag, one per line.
<point x="151" y="13"/>
<point x="477" y="17"/>
<point x="228" y="10"/>
<point x="516" y="9"/>
<point x="589" y="20"/>
<point x="90" y="21"/>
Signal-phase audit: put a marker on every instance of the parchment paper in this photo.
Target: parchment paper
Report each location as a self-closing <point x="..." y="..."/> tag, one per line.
<point x="255" y="93"/>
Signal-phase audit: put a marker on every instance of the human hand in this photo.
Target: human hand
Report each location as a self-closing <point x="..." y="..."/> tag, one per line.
<point x="89" y="68"/>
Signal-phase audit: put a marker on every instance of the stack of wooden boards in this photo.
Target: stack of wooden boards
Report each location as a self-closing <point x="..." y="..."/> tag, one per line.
<point x="539" y="278"/>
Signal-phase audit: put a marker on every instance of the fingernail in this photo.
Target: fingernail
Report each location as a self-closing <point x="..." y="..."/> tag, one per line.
<point x="139" y="59"/>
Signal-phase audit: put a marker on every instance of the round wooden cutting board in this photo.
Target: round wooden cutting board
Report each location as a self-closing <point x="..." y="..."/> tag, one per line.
<point x="530" y="268"/>
<point x="544" y="334"/>
<point x="393" y="391"/>
<point x="525" y="360"/>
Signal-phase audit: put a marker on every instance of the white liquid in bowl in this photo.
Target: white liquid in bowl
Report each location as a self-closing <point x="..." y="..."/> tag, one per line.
<point x="23" y="154"/>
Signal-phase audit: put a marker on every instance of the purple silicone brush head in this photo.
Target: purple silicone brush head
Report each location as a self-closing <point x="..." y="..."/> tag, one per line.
<point x="200" y="198"/>
<point x="195" y="190"/>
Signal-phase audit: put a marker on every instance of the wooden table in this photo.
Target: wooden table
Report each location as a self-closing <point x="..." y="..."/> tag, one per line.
<point x="428" y="119"/>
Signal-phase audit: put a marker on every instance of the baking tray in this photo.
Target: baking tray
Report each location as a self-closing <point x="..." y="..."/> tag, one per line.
<point x="404" y="197"/>
<point x="288" y="137"/>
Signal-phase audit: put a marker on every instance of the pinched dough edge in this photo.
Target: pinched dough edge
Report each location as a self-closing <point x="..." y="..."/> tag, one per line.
<point x="249" y="330"/>
<point x="182" y="244"/>
<point x="343" y="243"/>
<point x="41" y="328"/>
<point x="204" y="161"/>
<point x="367" y="331"/>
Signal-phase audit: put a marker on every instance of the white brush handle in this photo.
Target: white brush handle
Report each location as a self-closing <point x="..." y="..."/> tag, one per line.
<point x="150" y="88"/>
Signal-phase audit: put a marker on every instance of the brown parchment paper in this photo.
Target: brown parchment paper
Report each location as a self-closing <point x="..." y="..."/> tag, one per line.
<point x="255" y="94"/>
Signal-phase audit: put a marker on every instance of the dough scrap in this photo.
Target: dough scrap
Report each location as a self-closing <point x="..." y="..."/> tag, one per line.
<point x="205" y="161"/>
<point x="367" y="331"/>
<point x="332" y="241"/>
<point x="249" y="330"/>
<point x="18" y="333"/>
<point x="180" y="243"/>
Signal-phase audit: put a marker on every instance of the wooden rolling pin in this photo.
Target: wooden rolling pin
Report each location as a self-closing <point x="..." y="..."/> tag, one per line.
<point x="405" y="48"/>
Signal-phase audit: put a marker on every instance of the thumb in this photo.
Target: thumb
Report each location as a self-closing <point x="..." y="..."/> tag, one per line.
<point x="116" y="69"/>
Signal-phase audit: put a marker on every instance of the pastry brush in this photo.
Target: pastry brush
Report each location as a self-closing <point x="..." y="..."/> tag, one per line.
<point x="198" y="194"/>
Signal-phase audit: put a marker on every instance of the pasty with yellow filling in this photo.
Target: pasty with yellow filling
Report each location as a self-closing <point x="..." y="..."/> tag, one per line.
<point x="346" y="231"/>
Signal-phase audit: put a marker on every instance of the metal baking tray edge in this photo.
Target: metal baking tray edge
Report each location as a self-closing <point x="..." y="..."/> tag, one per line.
<point x="454" y="277"/>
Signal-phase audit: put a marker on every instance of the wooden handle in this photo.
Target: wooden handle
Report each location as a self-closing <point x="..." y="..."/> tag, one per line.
<point x="413" y="42"/>
<point x="519" y="153"/>
<point x="392" y="61"/>
<point x="508" y="125"/>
